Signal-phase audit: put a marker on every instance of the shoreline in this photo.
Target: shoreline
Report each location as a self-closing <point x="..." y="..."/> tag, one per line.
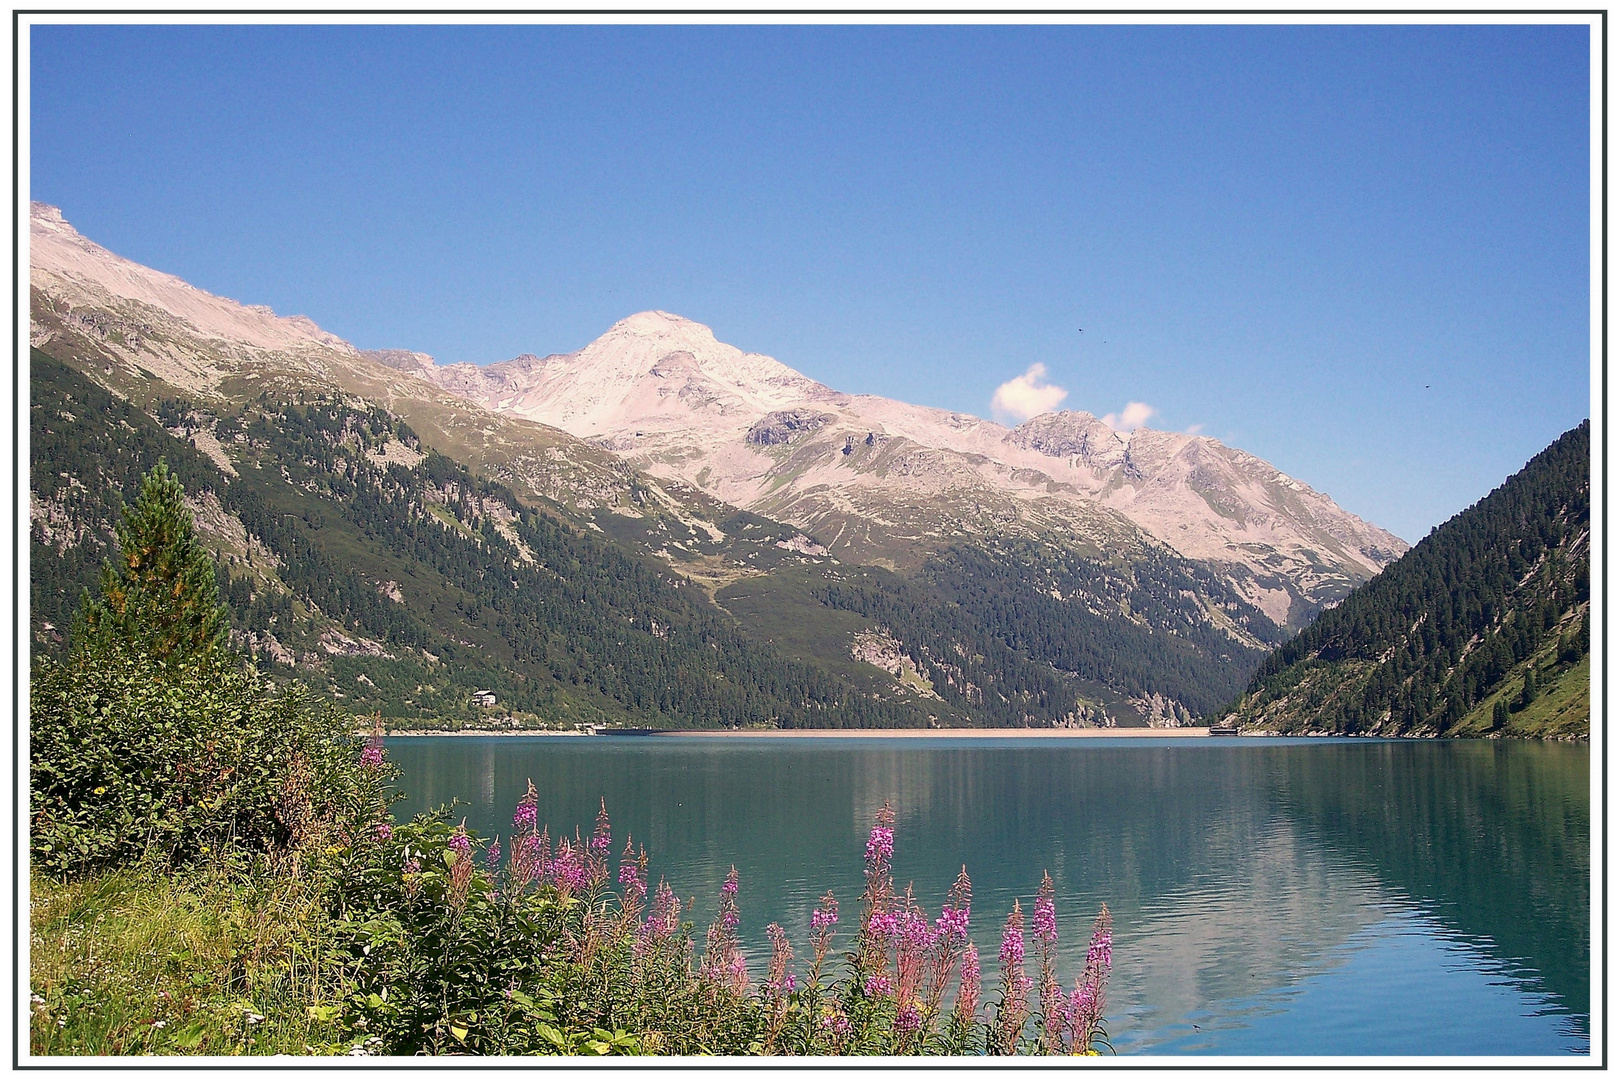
<point x="842" y="733"/>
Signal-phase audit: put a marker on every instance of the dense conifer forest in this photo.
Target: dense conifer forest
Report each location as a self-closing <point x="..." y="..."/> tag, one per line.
<point x="1466" y="633"/>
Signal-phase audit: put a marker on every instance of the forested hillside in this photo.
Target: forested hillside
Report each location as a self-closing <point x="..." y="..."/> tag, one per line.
<point x="382" y="571"/>
<point x="1484" y="626"/>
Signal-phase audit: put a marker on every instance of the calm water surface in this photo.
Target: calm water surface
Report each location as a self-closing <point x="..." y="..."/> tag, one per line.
<point x="1270" y="896"/>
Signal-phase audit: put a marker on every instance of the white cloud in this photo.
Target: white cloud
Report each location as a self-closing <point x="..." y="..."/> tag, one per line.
<point x="1016" y="400"/>
<point x="1196" y="429"/>
<point x="1133" y="416"/>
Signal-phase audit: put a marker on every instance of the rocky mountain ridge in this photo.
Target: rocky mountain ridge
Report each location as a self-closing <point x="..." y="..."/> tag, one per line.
<point x="1021" y="597"/>
<point x="665" y="394"/>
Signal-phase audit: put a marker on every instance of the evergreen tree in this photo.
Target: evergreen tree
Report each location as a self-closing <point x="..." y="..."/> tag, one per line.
<point x="1530" y="692"/>
<point x="161" y="596"/>
<point x="1499" y="714"/>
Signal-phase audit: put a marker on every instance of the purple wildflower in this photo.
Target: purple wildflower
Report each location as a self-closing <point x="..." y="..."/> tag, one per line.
<point x="1015" y="985"/>
<point x="1101" y="952"/>
<point x="461" y="869"/>
<point x="907" y="1020"/>
<point x="1012" y="940"/>
<point x="524" y="817"/>
<point x="602" y="838"/>
<point x="372" y="756"/>
<point x="383" y="831"/>
<point x="877" y="985"/>
<point x="1044" y="920"/>
<point x="492" y="856"/>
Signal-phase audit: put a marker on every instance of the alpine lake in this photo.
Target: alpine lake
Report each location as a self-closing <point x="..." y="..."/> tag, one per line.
<point x="1270" y="896"/>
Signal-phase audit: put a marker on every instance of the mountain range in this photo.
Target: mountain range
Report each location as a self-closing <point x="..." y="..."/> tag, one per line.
<point x="952" y="569"/>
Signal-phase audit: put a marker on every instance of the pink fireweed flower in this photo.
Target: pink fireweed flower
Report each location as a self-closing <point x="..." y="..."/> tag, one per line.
<point x="880" y="844"/>
<point x="1012" y="939"/>
<point x="1044" y="923"/>
<point x="835" y="1021"/>
<point x="916" y="933"/>
<point x="524" y="817"/>
<point x="1085" y="1004"/>
<point x="1101" y="952"/>
<point x="383" y="831"/>
<point x="877" y="985"/>
<point x="1044" y="919"/>
<point x="602" y="837"/>
<point x="722" y="962"/>
<point x="907" y="1019"/>
<point x="492" y="856"/>
<point x="885" y="925"/>
<point x="373" y="754"/>
<point x="914" y="940"/>
<point x="568" y="870"/>
<point x="952" y="923"/>
<point x="461" y="869"/>
<point x="630" y="879"/>
<point x="1015" y="985"/>
<point x="822" y="921"/>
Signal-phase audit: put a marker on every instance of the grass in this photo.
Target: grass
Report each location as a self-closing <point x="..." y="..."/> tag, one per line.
<point x="1562" y="709"/>
<point x="133" y="962"/>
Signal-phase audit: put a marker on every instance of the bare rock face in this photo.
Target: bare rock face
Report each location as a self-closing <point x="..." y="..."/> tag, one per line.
<point x="780" y="428"/>
<point x="1071" y="435"/>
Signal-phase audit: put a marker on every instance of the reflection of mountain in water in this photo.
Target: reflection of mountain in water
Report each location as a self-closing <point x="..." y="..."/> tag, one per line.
<point x="1494" y="836"/>
<point x="1237" y="873"/>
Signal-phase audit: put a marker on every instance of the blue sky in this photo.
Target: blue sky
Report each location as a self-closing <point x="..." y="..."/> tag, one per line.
<point x="1358" y="252"/>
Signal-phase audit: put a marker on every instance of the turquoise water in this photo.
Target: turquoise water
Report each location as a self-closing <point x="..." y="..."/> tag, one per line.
<point x="1270" y="896"/>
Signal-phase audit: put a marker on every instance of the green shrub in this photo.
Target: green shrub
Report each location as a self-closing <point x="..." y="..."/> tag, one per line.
<point x="130" y="759"/>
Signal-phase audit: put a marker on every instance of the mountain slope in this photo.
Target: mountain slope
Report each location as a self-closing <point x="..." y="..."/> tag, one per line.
<point x="1136" y="632"/>
<point x="387" y="574"/>
<point x="1445" y="639"/>
<point x="886" y="482"/>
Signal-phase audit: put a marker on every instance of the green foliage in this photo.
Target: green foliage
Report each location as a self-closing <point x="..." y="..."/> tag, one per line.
<point x="89" y="452"/>
<point x="1441" y="630"/>
<point x="160" y="597"/>
<point x="130" y="759"/>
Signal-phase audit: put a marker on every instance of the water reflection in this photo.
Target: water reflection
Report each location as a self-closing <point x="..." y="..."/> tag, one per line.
<point x="1254" y="885"/>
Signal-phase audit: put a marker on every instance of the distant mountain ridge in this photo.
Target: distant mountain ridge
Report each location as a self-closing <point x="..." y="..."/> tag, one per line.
<point x="663" y="392"/>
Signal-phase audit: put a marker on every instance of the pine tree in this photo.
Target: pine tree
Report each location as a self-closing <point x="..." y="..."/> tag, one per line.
<point x="161" y="595"/>
<point x="1530" y="692"/>
<point x="1499" y="714"/>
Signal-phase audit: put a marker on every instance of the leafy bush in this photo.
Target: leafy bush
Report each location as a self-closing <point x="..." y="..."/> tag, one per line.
<point x="151" y="740"/>
<point x="133" y="759"/>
